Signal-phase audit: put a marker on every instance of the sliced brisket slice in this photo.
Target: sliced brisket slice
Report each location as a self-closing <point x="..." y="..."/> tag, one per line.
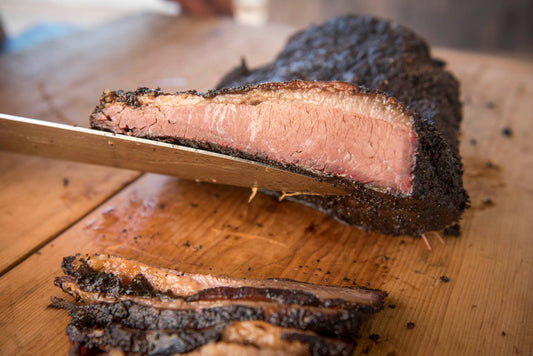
<point x="357" y="101"/>
<point x="261" y="335"/>
<point x="109" y="285"/>
<point x="114" y="276"/>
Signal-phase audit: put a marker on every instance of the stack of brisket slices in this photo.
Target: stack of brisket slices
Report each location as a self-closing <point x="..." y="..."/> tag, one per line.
<point x="358" y="102"/>
<point x="130" y="308"/>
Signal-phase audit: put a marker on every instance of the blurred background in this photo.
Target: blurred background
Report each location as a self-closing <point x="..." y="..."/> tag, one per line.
<point x="492" y="26"/>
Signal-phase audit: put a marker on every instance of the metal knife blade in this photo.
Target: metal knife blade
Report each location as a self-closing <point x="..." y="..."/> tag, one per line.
<point x="54" y="140"/>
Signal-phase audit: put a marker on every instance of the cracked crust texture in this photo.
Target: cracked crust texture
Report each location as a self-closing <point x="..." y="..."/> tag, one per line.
<point x="375" y="57"/>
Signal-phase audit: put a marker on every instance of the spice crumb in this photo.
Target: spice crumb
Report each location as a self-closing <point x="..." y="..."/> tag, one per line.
<point x="503" y="333"/>
<point x="506" y="131"/>
<point x="445" y="279"/>
<point x="66" y="182"/>
<point x="374" y="337"/>
<point x="187" y="244"/>
<point x="392" y="306"/>
<point x="410" y="325"/>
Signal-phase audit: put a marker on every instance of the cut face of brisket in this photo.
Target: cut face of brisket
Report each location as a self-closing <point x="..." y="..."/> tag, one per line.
<point x="357" y="101"/>
<point x="136" y="308"/>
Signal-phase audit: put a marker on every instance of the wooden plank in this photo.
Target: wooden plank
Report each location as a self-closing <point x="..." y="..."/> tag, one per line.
<point x="64" y="85"/>
<point x="212" y="229"/>
<point x="42" y="197"/>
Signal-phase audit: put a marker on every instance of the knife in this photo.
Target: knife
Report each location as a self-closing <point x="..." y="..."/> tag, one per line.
<point x="54" y="140"/>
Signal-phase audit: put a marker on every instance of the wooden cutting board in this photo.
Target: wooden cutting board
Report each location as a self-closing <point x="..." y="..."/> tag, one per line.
<point x="50" y="209"/>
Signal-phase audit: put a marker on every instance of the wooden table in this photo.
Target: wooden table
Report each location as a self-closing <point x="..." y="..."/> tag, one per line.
<point x="50" y="209"/>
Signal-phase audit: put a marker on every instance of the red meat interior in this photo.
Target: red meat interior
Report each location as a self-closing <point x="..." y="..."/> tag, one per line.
<point x="324" y="139"/>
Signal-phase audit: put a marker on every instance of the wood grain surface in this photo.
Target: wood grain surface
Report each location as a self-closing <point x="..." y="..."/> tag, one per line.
<point x="484" y="308"/>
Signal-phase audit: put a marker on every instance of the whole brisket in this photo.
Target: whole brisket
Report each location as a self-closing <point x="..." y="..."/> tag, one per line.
<point x="357" y="101"/>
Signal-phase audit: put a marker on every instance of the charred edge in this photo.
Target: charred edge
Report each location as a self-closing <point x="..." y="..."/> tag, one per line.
<point x="283" y="296"/>
<point x="133" y="98"/>
<point x="334" y="323"/>
<point x="151" y="342"/>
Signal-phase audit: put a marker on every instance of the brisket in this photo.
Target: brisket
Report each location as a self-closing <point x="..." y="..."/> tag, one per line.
<point x="132" y="307"/>
<point x="357" y="101"/>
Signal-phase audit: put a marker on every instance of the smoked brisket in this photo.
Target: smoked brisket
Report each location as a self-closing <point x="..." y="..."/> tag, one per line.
<point x="128" y="306"/>
<point x="357" y="101"/>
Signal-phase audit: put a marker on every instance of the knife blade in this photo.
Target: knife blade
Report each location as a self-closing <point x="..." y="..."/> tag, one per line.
<point x="66" y="142"/>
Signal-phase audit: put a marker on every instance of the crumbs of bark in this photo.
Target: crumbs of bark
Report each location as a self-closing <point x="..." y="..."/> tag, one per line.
<point x="488" y="202"/>
<point x="453" y="230"/>
<point x="507" y="132"/>
<point x="374" y="337"/>
<point x="410" y="325"/>
<point x="311" y="228"/>
<point x="445" y="279"/>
